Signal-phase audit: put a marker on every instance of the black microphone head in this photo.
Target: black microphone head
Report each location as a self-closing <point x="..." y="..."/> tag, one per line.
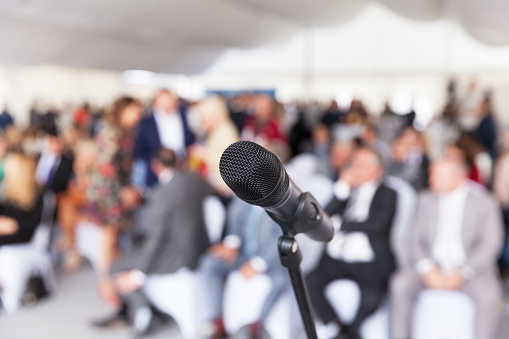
<point x="253" y="173"/>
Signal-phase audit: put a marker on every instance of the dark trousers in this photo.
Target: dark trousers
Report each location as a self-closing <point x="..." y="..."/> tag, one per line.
<point x="371" y="285"/>
<point x="136" y="299"/>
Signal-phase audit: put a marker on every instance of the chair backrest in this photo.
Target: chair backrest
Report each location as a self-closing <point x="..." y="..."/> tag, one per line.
<point x="42" y="236"/>
<point x="404" y="219"/>
<point x="215" y="217"/>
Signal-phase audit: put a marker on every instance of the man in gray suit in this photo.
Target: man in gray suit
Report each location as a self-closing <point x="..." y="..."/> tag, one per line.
<point x="176" y="238"/>
<point x="456" y="242"/>
<point x="250" y="246"/>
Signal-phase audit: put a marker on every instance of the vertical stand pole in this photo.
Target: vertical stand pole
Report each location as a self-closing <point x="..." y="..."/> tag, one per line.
<point x="291" y="257"/>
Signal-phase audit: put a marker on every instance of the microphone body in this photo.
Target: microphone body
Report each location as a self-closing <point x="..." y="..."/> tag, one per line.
<point x="258" y="177"/>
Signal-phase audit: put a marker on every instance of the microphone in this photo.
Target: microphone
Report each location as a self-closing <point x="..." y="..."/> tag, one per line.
<point x="258" y="177"/>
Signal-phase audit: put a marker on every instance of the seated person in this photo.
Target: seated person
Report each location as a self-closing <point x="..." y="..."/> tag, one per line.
<point x="456" y="242"/>
<point x="20" y="214"/>
<point x="176" y="238"/>
<point x="360" y="250"/>
<point x="250" y="247"/>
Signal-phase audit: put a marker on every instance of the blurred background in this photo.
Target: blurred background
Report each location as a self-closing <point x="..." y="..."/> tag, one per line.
<point x="114" y="115"/>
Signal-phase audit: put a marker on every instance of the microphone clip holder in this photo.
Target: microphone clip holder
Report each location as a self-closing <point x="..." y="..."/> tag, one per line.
<point x="290" y="255"/>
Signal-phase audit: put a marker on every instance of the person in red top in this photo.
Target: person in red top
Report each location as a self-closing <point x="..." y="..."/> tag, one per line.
<point x="262" y="127"/>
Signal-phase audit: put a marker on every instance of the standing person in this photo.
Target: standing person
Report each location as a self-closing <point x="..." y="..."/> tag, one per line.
<point x="110" y="198"/>
<point x="221" y="133"/>
<point x="360" y="250"/>
<point x="486" y="132"/>
<point x="456" y="242"/>
<point x="166" y="126"/>
<point x="263" y="128"/>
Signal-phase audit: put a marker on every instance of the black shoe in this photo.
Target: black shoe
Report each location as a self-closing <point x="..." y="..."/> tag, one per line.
<point x="348" y="333"/>
<point x="114" y="321"/>
<point x="152" y="320"/>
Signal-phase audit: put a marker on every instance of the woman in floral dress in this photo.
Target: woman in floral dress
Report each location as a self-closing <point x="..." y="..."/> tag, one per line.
<point x="110" y="198"/>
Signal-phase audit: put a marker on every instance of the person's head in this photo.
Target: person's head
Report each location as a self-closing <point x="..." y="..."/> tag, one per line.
<point x="447" y="174"/>
<point x="368" y="135"/>
<point x="125" y="113"/>
<point x="212" y="112"/>
<point x="164" y="158"/>
<point x="340" y="154"/>
<point x="165" y="101"/>
<point x="53" y="144"/>
<point x="19" y="186"/>
<point x="13" y="137"/>
<point x="320" y="135"/>
<point x="264" y="107"/>
<point x="366" y="165"/>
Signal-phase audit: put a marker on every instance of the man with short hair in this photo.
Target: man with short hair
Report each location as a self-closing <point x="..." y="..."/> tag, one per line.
<point x="362" y="210"/>
<point x="176" y="238"/>
<point x="166" y="127"/>
<point x="456" y="242"/>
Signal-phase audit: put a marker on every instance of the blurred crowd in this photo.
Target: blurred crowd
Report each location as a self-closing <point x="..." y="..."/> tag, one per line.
<point x="136" y="187"/>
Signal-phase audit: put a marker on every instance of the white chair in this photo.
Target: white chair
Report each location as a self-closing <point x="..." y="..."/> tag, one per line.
<point x="443" y="315"/>
<point x="243" y="302"/>
<point x="176" y="295"/>
<point x="180" y="294"/>
<point x="215" y="216"/>
<point x="19" y="262"/>
<point x="345" y="297"/>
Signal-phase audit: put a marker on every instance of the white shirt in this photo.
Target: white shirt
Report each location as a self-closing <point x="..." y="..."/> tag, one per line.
<point x="448" y="252"/>
<point x="171" y="131"/>
<point x="47" y="161"/>
<point x="165" y="176"/>
<point x="353" y="246"/>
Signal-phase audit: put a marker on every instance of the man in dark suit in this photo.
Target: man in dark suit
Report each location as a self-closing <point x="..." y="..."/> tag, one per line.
<point x="176" y="238"/>
<point x="250" y="247"/>
<point x="166" y="127"/>
<point x="362" y="210"/>
<point x="55" y="165"/>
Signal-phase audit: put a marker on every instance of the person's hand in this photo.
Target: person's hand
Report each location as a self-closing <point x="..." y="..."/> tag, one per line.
<point x="8" y="226"/>
<point x="434" y="279"/>
<point x="124" y="284"/>
<point x="247" y="270"/>
<point x="130" y="197"/>
<point x="347" y="176"/>
<point x="224" y="253"/>
<point x="453" y="281"/>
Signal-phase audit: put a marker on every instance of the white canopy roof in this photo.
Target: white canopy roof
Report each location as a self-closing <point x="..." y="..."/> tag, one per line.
<point x="175" y="36"/>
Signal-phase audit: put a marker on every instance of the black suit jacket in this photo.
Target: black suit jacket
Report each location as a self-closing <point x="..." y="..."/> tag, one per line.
<point x="148" y="141"/>
<point x="377" y="226"/>
<point x="63" y="174"/>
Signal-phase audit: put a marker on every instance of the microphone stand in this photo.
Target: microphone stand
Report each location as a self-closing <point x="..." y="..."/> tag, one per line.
<point x="291" y="256"/>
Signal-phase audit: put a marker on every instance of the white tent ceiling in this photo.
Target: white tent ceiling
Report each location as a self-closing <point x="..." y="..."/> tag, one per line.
<point x="175" y="36"/>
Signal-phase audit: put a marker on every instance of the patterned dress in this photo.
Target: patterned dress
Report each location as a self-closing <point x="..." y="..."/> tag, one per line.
<point x="110" y="173"/>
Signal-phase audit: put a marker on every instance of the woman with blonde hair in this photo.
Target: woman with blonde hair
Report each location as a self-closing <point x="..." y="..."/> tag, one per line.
<point x="20" y="214"/>
<point x="220" y="133"/>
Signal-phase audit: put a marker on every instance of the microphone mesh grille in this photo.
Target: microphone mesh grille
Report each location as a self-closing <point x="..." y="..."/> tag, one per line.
<point x="252" y="172"/>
